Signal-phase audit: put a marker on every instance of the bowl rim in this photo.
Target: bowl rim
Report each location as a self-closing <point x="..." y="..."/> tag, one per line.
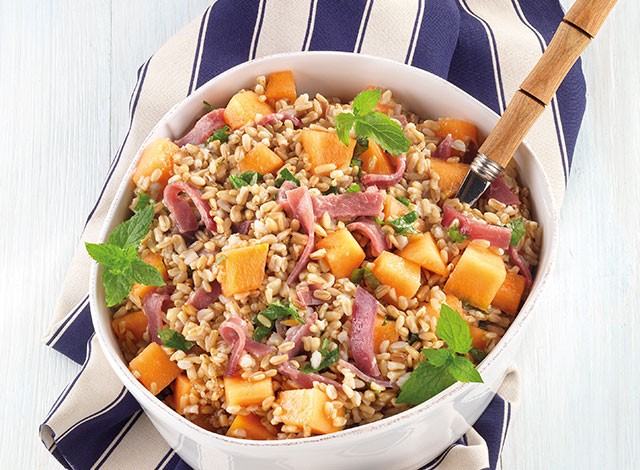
<point x="149" y="401"/>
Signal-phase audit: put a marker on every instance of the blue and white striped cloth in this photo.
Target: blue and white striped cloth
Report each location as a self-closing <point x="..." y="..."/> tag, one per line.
<point x="485" y="47"/>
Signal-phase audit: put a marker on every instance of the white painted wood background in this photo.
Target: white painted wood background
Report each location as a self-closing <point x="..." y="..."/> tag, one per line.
<point x="66" y="71"/>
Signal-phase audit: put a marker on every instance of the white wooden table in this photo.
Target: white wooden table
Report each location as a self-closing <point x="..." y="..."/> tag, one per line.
<point x="66" y="71"/>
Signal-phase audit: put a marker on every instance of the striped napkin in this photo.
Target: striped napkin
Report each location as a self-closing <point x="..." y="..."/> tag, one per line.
<point x="486" y="47"/>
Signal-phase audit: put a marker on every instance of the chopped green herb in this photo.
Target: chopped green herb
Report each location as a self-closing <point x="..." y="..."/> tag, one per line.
<point x="371" y="124"/>
<point x="248" y="178"/>
<point x="173" y="339"/>
<point x="332" y="190"/>
<point x="455" y="234"/>
<point x="360" y="274"/>
<point x="275" y="311"/>
<point x="286" y="175"/>
<point x="329" y="357"/>
<point x="354" y="188"/>
<point x="403" y="200"/>
<point x="208" y="107"/>
<point x="355" y="161"/>
<point x="121" y="265"/>
<point x="404" y="224"/>
<point x="483" y="324"/>
<point x="221" y="134"/>
<point x="445" y="366"/>
<point x="517" y="230"/>
<point x="477" y="355"/>
<point x="413" y="338"/>
<point x="362" y="142"/>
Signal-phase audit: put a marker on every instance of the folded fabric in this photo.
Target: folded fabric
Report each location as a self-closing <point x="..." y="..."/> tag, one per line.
<point x="485" y="48"/>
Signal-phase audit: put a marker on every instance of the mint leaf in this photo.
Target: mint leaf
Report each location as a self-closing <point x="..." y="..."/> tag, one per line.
<point x="248" y="178"/>
<point x="221" y="134"/>
<point x="477" y="355"/>
<point x="116" y="287"/>
<point x="425" y="382"/>
<point x="146" y="274"/>
<point x="403" y="200"/>
<point x="360" y="274"/>
<point x="455" y="235"/>
<point x="143" y="200"/>
<point x="343" y="124"/>
<point x="286" y="175"/>
<point x="404" y="224"/>
<point x="384" y="131"/>
<point x="332" y="190"/>
<point x="354" y="188"/>
<point x="366" y="100"/>
<point x="454" y="330"/>
<point x="357" y="275"/>
<point x="438" y="357"/>
<point x="133" y="231"/>
<point x="110" y="256"/>
<point x="173" y="339"/>
<point x="517" y="230"/>
<point x="329" y="357"/>
<point x="463" y="370"/>
<point x="275" y="311"/>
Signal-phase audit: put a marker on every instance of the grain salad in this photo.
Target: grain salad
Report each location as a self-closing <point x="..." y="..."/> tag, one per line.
<point x="296" y="265"/>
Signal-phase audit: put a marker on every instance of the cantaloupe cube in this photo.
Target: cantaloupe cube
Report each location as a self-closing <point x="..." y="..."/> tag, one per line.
<point x="477" y="277"/>
<point x="324" y="148"/>
<point x="243" y="107"/>
<point x="451" y="176"/>
<point x="261" y="159"/>
<point x="510" y="293"/>
<point x="240" y="392"/>
<point x="153" y="368"/>
<point x="384" y="330"/>
<point x="249" y="427"/>
<point x="477" y="334"/>
<point x="158" y="155"/>
<point x="204" y="421"/>
<point x="344" y="254"/>
<point x="401" y="274"/>
<point x="393" y="208"/>
<point x="134" y="322"/>
<point x="155" y="260"/>
<point x="243" y="268"/>
<point x="459" y="130"/>
<point x="181" y="392"/>
<point x="375" y="160"/>
<point x="306" y="406"/>
<point x="422" y="250"/>
<point x="281" y="86"/>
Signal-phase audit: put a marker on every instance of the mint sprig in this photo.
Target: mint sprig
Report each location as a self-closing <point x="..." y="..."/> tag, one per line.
<point x="121" y="264"/>
<point x="370" y="124"/>
<point x="445" y="366"/>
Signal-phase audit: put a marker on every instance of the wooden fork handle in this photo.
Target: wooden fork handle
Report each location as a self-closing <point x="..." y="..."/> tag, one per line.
<point x="579" y="26"/>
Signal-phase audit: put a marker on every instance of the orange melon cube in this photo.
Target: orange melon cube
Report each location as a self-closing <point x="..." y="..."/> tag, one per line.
<point x="241" y="392"/>
<point x="422" y="250"/>
<point x="243" y="268"/>
<point x="477" y="277"/>
<point x="153" y="368"/>
<point x="459" y="130"/>
<point x="393" y="208"/>
<point x="249" y="427"/>
<point x="158" y="155"/>
<point x="451" y="176"/>
<point x="375" y="160"/>
<point x="243" y="107"/>
<point x="155" y="260"/>
<point x="324" y="148"/>
<point x="510" y="293"/>
<point x="477" y="334"/>
<point x="344" y="254"/>
<point x="281" y="86"/>
<point x="384" y="330"/>
<point x="181" y="391"/>
<point x="204" y="421"/>
<point x="134" y="322"/>
<point x="261" y="159"/>
<point x="401" y="274"/>
<point x="306" y="406"/>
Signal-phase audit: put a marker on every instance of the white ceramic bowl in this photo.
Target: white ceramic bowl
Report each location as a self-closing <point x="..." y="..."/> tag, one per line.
<point x="404" y="441"/>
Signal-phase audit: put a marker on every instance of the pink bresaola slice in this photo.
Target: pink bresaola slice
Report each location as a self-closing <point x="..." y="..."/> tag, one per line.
<point x="386" y="181"/>
<point x="306" y="297"/>
<point x="204" y="128"/>
<point x="181" y="211"/>
<point x="234" y="332"/>
<point x="373" y="232"/>
<point x="365" y="309"/>
<point x="518" y="260"/>
<point x="302" y="379"/>
<point x="280" y="117"/>
<point x="349" y="205"/>
<point x="367" y="378"/>
<point x="443" y="150"/>
<point x="503" y="193"/>
<point x="296" y="333"/>
<point x="499" y="237"/>
<point x="152" y="306"/>
<point x="301" y="208"/>
<point x="201" y="299"/>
